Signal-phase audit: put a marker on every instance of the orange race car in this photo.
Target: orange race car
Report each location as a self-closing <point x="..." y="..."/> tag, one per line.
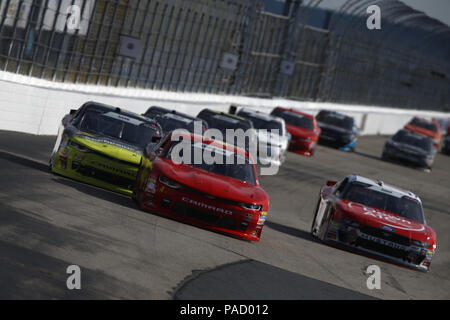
<point x="429" y="128"/>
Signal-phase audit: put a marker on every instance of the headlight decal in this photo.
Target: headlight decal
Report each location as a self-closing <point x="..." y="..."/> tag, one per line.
<point x="78" y="146"/>
<point x="169" y="183"/>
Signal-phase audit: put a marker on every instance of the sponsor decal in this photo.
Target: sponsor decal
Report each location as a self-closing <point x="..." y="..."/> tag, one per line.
<point x="262" y="218"/>
<point x="78" y="157"/>
<point x="388" y="218"/>
<point x="112" y="143"/>
<point x="150" y="186"/>
<point x="206" y="206"/>
<point x="382" y="241"/>
<point x="64" y="153"/>
<point x="113" y="169"/>
<point x="387" y="228"/>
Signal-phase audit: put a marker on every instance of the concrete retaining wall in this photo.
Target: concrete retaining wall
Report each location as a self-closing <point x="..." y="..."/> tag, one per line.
<point x="37" y="106"/>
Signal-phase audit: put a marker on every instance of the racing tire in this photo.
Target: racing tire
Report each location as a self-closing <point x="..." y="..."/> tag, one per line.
<point x="50" y="165"/>
<point x="134" y="196"/>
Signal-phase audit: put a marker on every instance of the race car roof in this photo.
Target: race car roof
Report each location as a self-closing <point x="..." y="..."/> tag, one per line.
<point x="108" y="108"/>
<point x="260" y="115"/>
<point x="158" y="109"/>
<point x="229" y="115"/>
<point x="296" y="111"/>
<point x="334" y="113"/>
<point x="173" y="114"/>
<point x="382" y="187"/>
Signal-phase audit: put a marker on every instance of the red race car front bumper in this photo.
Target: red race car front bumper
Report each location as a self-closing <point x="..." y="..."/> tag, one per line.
<point x="204" y="211"/>
<point x="353" y="239"/>
<point x="302" y="146"/>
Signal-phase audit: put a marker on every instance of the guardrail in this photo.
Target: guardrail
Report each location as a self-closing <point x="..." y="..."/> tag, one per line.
<point x="37" y="106"/>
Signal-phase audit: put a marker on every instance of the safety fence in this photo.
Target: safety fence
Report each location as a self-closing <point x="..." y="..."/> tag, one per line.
<point x="230" y="47"/>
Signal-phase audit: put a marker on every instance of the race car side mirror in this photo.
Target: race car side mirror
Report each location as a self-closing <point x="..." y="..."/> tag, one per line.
<point x="331" y="183"/>
<point x="72" y="111"/>
<point x="66" y="119"/>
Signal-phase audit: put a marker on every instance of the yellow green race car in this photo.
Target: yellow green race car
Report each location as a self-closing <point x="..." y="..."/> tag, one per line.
<point x="102" y="145"/>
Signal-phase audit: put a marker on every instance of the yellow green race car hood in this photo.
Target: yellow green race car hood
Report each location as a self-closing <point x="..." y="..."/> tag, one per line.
<point x="109" y="147"/>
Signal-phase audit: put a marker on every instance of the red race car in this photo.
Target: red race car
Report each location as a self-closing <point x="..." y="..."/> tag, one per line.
<point x="303" y="128"/>
<point x="222" y="195"/>
<point x="371" y="217"/>
<point x="429" y="128"/>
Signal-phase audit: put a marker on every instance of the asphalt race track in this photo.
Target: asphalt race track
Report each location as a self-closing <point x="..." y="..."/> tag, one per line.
<point x="48" y="223"/>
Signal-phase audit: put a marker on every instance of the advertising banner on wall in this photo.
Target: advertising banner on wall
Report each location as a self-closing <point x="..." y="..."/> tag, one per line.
<point x="130" y="47"/>
<point x="16" y="9"/>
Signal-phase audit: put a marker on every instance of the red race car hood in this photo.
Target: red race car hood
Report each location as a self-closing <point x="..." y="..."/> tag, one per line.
<point x="213" y="184"/>
<point x="300" y="132"/>
<point x="388" y="221"/>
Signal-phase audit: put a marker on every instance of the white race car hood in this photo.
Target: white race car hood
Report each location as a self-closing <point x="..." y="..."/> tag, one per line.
<point x="272" y="139"/>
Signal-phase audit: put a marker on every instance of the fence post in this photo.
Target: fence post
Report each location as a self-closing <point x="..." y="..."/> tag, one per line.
<point x="245" y="47"/>
<point x="288" y="52"/>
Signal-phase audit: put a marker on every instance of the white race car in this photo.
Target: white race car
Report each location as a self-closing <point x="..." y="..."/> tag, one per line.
<point x="271" y="132"/>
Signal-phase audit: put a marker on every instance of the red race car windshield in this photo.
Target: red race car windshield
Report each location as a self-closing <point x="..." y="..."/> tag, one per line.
<point x="403" y="206"/>
<point x="297" y="120"/>
<point x="240" y="168"/>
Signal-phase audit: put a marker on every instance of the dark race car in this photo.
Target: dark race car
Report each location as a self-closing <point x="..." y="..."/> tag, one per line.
<point x="155" y="111"/>
<point x="102" y="145"/>
<point x="223" y="121"/>
<point x="177" y="120"/>
<point x="223" y="197"/>
<point x="338" y="130"/>
<point x="303" y="129"/>
<point x="410" y="148"/>
<point x="376" y="219"/>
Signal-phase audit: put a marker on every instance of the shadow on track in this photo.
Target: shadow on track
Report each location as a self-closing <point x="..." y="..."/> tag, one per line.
<point x="106" y="195"/>
<point x="290" y="231"/>
<point x="250" y="279"/>
<point x="24" y="161"/>
<point x="366" y="155"/>
<point x="33" y="274"/>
